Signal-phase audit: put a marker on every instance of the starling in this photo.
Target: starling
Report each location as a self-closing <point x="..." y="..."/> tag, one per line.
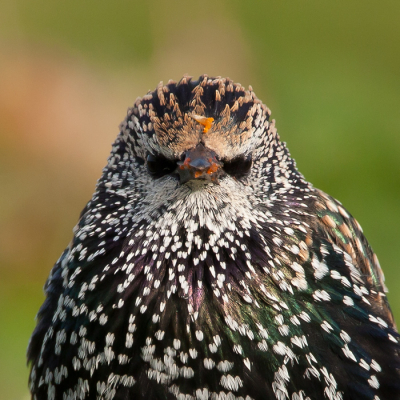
<point x="206" y="267"/>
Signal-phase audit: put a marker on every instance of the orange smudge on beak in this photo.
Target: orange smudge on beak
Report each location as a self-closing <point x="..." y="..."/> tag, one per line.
<point x="185" y="164"/>
<point x="213" y="168"/>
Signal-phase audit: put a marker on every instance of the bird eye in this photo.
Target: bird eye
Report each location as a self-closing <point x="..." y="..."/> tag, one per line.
<point x="159" y="166"/>
<point x="238" y="167"/>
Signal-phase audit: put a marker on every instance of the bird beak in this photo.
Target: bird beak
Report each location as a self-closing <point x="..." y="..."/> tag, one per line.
<point x="199" y="163"/>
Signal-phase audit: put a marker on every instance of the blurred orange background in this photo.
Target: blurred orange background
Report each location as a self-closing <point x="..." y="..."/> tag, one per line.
<point x="69" y="70"/>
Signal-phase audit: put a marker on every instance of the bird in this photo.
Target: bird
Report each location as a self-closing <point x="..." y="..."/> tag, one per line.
<point x="206" y="267"/>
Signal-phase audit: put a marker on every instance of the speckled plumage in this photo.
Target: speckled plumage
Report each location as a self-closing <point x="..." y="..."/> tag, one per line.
<point x="251" y="284"/>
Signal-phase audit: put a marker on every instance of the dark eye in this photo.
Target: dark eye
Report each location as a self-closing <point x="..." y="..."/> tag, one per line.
<point x="239" y="166"/>
<point x="159" y="166"/>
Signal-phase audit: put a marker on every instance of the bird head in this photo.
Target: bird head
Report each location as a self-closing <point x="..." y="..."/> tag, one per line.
<point x="198" y="133"/>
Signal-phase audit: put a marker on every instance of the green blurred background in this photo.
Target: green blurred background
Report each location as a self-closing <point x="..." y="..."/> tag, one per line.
<point x="330" y="72"/>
